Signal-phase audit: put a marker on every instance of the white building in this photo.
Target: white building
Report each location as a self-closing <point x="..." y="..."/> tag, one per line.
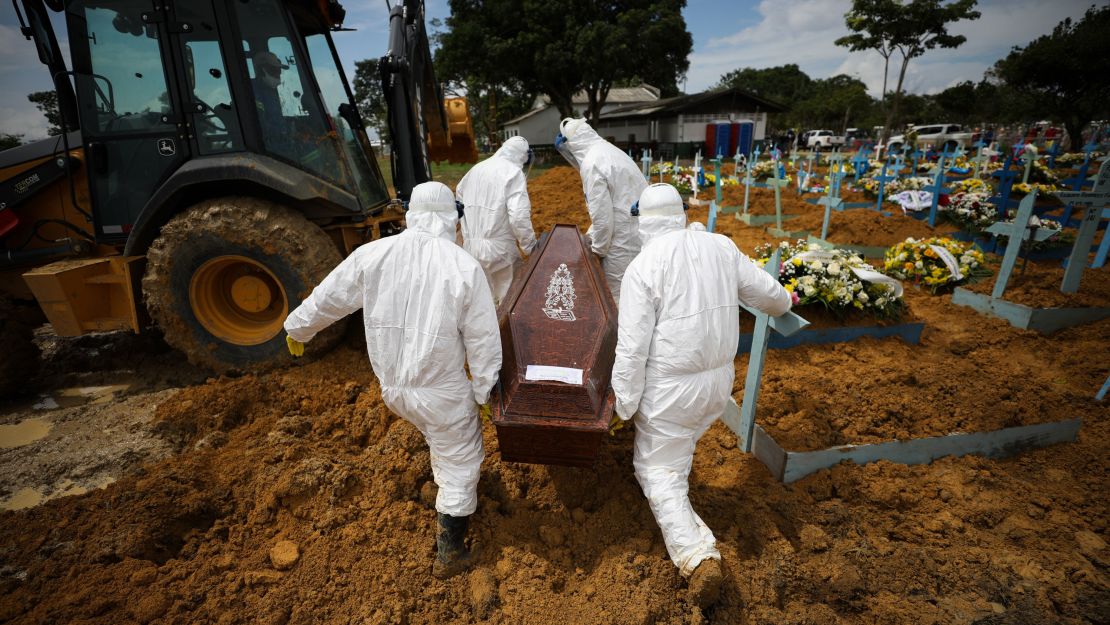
<point x="540" y="125"/>
<point x="678" y="124"/>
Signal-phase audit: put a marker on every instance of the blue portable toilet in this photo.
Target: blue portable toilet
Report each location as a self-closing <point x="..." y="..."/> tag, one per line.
<point x="723" y="135"/>
<point x="745" y="136"/>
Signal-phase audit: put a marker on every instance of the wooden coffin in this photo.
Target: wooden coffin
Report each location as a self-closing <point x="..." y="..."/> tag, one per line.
<point x="552" y="403"/>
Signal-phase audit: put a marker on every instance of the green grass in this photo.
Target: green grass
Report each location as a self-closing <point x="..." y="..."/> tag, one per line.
<point x="449" y="173"/>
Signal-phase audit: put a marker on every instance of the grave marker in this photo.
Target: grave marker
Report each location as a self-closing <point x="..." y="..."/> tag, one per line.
<point x="1006" y="178"/>
<point x="743" y="423"/>
<point x="1029" y="156"/>
<point x="777" y="184"/>
<point x="645" y="164"/>
<point x="1095" y="200"/>
<point x="914" y="157"/>
<point x="882" y="179"/>
<point x="860" y="163"/>
<point x="1017" y="232"/>
<point x="937" y="189"/>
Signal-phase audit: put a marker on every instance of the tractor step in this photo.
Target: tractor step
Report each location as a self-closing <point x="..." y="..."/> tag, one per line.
<point x="90" y="294"/>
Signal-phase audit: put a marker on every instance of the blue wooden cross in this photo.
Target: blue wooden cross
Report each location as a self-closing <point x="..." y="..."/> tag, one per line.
<point x="831" y="202"/>
<point x="899" y="163"/>
<point x="748" y="182"/>
<point x="645" y="164"/>
<point x="836" y="170"/>
<point x="1006" y="178"/>
<point x="981" y="160"/>
<point x="1095" y="200"/>
<point x="883" y="178"/>
<point x="743" y="424"/>
<point x="937" y="189"/>
<point x="711" y="224"/>
<point x="1029" y="157"/>
<point x="1087" y="150"/>
<point x="860" y="163"/>
<point x="1017" y="231"/>
<point x="717" y="177"/>
<point x="915" y="156"/>
<point x="777" y="183"/>
<point x="1052" y="152"/>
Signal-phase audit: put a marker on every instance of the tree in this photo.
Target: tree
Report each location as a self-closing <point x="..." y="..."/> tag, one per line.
<point x="478" y="54"/>
<point x="561" y="47"/>
<point x="1064" y="74"/>
<point x="369" y="98"/>
<point x="785" y="84"/>
<point x="833" y="103"/>
<point x="910" y="29"/>
<point x="959" y="103"/>
<point x="47" y="102"/>
<point x="8" y="141"/>
<point x="644" y="38"/>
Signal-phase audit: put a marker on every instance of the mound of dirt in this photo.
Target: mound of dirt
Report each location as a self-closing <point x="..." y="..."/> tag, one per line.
<point x="862" y="226"/>
<point x="309" y="457"/>
<point x="1038" y="285"/>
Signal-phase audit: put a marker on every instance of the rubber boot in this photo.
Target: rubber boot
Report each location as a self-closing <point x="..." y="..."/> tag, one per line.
<point x="705" y="583"/>
<point x="452" y="556"/>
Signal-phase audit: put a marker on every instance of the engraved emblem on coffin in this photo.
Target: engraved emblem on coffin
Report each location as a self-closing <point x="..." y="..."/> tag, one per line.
<point x="552" y="402"/>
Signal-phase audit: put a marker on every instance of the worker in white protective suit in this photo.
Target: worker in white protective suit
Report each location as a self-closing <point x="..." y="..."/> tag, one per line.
<point x="498" y="213"/>
<point x="428" y="311"/>
<point x="678" y="328"/>
<point x="612" y="182"/>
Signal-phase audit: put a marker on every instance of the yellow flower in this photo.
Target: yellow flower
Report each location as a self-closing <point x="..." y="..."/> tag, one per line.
<point x="797" y="262"/>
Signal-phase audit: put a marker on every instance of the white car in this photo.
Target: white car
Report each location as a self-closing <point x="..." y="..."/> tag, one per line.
<point x="823" y="139"/>
<point x="940" y="136"/>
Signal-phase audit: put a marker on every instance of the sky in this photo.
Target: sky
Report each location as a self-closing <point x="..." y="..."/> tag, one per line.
<point x="728" y="34"/>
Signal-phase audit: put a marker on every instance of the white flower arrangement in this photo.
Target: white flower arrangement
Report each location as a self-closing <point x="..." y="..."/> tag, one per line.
<point x="832" y="278"/>
<point x="970" y="211"/>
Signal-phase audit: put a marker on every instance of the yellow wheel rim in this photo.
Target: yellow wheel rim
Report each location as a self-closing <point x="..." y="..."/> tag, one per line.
<point x="238" y="300"/>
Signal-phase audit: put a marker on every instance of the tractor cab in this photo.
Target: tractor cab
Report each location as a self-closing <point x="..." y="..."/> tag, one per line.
<point x="196" y="83"/>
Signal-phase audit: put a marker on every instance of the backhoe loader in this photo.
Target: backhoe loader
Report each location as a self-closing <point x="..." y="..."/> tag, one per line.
<point x="212" y="169"/>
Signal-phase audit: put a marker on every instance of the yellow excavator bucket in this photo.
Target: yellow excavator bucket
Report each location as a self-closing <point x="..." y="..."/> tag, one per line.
<point x="459" y="146"/>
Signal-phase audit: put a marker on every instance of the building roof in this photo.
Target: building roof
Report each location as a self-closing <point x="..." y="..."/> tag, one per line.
<point x="639" y="94"/>
<point x="520" y="118"/>
<point x="732" y="96"/>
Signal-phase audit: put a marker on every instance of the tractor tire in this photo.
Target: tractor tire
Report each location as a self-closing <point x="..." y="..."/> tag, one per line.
<point x="20" y="356"/>
<point x="224" y="274"/>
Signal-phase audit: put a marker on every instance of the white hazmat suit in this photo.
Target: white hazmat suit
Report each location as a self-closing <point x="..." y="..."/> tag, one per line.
<point x="612" y="182"/>
<point x="498" y="214"/>
<point x="427" y="309"/>
<point x="678" y="328"/>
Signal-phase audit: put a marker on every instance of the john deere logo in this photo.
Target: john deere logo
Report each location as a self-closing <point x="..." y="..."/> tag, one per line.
<point x="166" y="147"/>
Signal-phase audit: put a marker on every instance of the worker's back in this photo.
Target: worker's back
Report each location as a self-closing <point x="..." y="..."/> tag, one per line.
<point x="498" y="211"/>
<point x="697" y="281"/>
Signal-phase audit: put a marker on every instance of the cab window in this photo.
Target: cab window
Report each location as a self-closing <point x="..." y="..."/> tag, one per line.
<point x="293" y="125"/>
<point x="125" y="92"/>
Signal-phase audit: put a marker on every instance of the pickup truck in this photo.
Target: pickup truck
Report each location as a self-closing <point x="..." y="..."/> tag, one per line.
<point x="823" y="139"/>
<point x="940" y="136"/>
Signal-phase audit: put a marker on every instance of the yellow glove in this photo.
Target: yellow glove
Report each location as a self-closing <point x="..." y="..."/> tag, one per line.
<point x="296" y="348"/>
<point x="485" y="412"/>
<point x="615" y="424"/>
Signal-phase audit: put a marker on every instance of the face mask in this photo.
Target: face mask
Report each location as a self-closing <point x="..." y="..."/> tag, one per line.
<point x="563" y="148"/>
<point x="269" y="80"/>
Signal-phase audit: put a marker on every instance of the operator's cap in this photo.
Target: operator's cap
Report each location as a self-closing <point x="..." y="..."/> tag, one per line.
<point x="660" y="200"/>
<point x="570" y="127"/>
<point x="265" y="58"/>
<point x="432" y="197"/>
